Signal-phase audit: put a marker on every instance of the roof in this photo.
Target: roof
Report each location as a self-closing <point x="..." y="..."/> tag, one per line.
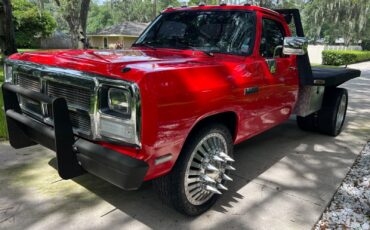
<point x="224" y="7"/>
<point x="132" y="29"/>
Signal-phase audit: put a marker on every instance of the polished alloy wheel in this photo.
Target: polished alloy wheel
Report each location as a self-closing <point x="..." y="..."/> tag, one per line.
<point x="341" y="112"/>
<point x="207" y="169"/>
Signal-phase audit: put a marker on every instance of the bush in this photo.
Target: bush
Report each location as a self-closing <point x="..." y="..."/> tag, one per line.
<point x="365" y="45"/>
<point x="335" y="57"/>
<point x="31" y="24"/>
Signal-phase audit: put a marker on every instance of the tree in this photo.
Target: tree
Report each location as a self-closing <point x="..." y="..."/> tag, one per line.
<point x="31" y="23"/>
<point x="75" y="14"/>
<point x="8" y="47"/>
<point x="337" y="18"/>
<point x="207" y="2"/>
<point x="140" y="11"/>
<point x="100" y="16"/>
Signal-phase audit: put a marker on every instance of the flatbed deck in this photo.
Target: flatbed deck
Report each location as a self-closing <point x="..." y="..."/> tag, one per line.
<point x="333" y="76"/>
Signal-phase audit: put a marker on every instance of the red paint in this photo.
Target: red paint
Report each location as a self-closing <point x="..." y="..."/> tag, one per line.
<point x="181" y="87"/>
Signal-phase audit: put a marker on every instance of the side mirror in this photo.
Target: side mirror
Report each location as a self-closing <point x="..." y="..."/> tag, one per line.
<point x="295" y="46"/>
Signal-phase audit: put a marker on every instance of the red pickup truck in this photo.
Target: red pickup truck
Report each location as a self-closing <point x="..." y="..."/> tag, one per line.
<point x="196" y="82"/>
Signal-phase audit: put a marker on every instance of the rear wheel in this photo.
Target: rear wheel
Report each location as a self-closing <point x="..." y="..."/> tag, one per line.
<point x="330" y="118"/>
<point x="201" y="172"/>
<point x="333" y="113"/>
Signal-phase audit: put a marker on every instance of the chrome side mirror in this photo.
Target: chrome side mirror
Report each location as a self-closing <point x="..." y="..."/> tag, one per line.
<point x="295" y="46"/>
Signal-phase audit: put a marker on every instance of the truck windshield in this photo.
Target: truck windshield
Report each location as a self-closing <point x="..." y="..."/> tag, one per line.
<point x="230" y="32"/>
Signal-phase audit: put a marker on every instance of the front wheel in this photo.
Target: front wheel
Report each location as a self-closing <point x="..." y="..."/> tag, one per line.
<point x="201" y="172"/>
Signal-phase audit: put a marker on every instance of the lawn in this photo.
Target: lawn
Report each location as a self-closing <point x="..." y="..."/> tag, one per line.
<point x="3" y="130"/>
<point x="27" y="50"/>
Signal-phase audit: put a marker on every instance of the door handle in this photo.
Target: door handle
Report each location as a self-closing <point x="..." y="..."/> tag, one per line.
<point x="292" y="68"/>
<point x="251" y="90"/>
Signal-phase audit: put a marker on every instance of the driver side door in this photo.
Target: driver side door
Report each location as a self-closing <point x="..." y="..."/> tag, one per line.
<point x="280" y="73"/>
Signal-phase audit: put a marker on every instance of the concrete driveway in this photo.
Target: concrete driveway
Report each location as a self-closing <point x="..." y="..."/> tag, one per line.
<point x="284" y="180"/>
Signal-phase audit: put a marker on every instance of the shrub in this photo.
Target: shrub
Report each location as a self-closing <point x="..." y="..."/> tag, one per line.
<point x="336" y="57"/>
<point x="365" y="45"/>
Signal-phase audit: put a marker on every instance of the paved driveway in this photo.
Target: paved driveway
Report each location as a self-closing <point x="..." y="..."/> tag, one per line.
<point x="285" y="179"/>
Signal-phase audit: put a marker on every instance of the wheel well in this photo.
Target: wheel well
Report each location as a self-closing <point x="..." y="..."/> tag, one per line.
<point x="229" y="119"/>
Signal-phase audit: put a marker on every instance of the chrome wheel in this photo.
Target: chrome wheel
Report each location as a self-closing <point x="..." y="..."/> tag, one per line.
<point x="341" y="112"/>
<point x="207" y="169"/>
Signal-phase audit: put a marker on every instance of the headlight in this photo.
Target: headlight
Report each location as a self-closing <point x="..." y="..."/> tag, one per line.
<point x="117" y="129"/>
<point x="117" y="116"/>
<point x="119" y="101"/>
<point x="8" y="71"/>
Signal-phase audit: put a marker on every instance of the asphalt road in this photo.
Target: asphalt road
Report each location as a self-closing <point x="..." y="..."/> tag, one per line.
<point x="284" y="180"/>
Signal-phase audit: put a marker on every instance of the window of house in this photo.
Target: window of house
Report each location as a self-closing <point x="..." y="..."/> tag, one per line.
<point x="272" y="38"/>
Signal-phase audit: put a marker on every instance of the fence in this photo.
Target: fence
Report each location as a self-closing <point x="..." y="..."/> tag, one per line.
<point x="56" y="42"/>
<point x="342" y="48"/>
<point x="315" y="51"/>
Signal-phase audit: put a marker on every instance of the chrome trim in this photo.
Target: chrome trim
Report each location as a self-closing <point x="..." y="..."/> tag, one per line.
<point x="6" y="70"/>
<point x="163" y="159"/>
<point x="89" y="81"/>
<point x="341" y="114"/>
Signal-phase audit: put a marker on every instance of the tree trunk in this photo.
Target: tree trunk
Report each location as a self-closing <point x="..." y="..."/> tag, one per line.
<point x="83" y="22"/>
<point x="41" y="5"/>
<point x="74" y="37"/>
<point x="154" y="8"/>
<point x="75" y="13"/>
<point x="9" y="35"/>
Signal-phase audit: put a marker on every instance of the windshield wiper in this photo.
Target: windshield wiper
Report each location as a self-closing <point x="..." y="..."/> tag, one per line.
<point x="210" y="54"/>
<point x="144" y="44"/>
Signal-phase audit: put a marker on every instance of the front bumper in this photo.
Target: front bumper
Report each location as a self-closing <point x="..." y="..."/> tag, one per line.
<point x="74" y="155"/>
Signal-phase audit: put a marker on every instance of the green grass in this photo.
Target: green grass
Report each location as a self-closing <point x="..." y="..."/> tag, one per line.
<point x="27" y="50"/>
<point x="3" y="129"/>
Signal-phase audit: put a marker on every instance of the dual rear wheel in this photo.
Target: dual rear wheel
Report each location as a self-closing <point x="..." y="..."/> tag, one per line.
<point x="330" y="118"/>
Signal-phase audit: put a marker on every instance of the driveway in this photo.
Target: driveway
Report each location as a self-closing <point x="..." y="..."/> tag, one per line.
<point x="284" y="180"/>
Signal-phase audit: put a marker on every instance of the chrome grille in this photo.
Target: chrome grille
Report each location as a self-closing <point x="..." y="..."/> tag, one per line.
<point x="80" y="121"/>
<point x="28" y="82"/>
<point x="75" y="96"/>
<point x="78" y="100"/>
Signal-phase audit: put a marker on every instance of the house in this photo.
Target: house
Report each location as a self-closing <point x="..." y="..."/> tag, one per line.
<point x="117" y="36"/>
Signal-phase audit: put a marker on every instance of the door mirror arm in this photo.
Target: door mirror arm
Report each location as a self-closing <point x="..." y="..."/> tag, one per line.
<point x="277" y="48"/>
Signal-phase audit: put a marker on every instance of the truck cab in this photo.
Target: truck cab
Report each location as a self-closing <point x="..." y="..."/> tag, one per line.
<point x="196" y="82"/>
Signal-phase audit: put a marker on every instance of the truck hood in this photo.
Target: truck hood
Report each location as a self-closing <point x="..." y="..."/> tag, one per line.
<point x="110" y="63"/>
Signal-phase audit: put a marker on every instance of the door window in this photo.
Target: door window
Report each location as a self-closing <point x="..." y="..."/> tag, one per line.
<point x="272" y="39"/>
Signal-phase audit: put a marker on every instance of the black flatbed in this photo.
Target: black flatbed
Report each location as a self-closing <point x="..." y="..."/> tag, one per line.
<point x="333" y="76"/>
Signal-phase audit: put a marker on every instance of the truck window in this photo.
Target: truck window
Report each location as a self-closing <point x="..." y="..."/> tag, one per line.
<point x="272" y="36"/>
<point x="230" y="32"/>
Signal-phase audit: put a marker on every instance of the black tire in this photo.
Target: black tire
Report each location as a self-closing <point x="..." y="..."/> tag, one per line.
<point x="328" y="115"/>
<point x="171" y="188"/>
<point x="308" y="123"/>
